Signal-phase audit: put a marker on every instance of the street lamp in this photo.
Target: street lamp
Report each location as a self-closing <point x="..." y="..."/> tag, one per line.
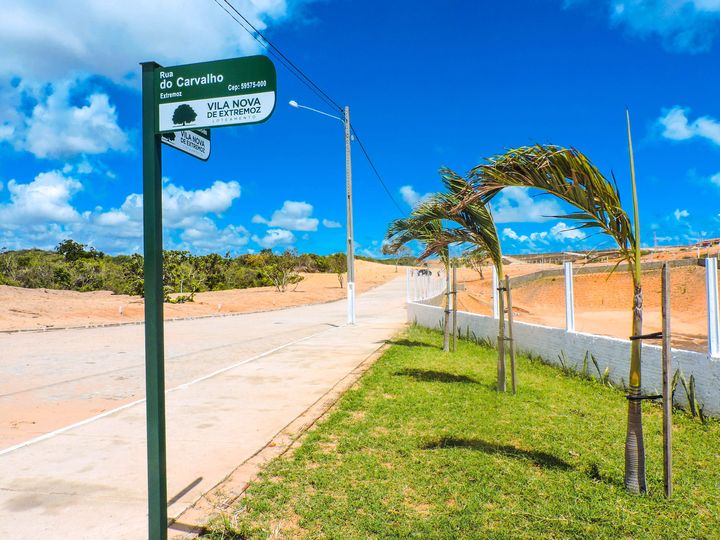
<point x="348" y="188"/>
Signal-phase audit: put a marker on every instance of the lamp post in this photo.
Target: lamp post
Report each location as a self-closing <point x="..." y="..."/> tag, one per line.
<point x="348" y="189"/>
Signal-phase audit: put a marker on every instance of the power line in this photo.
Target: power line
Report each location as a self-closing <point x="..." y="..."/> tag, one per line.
<point x="307" y="81"/>
<point x="296" y="70"/>
<point x="372" y="166"/>
<point x="266" y="46"/>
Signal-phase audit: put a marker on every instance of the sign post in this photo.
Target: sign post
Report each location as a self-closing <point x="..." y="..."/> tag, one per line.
<point x="179" y="99"/>
<point x="154" y="336"/>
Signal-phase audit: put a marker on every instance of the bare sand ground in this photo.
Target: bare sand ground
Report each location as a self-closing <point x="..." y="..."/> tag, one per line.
<point x="602" y="302"/>
<point x="37" y="309"/>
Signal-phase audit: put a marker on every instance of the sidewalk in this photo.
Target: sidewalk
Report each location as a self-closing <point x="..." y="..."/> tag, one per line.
<point x="90" y="482"/>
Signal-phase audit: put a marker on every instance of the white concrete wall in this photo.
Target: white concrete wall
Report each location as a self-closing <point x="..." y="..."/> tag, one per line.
<point x="614" y="353"/>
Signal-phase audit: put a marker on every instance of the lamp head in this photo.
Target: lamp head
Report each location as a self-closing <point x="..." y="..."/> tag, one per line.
<point x="293" y="103"/>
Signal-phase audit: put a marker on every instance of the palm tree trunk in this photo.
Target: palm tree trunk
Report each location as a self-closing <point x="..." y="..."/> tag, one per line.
<point x="446" y="336"/>
<point x="634" y="444"/>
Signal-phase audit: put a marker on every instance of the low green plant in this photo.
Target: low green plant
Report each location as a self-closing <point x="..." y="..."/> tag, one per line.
<point x="697" y="409"/>
<point x="604" y="376"/>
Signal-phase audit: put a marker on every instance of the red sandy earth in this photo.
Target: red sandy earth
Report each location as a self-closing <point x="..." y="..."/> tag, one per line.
<point x="603" y="302"/>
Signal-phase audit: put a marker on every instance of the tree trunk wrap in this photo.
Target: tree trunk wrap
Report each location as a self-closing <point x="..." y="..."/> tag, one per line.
<point x="634" y="444"/>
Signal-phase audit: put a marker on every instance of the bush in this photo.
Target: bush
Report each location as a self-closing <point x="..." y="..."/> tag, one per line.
<point x="74" y="266"/>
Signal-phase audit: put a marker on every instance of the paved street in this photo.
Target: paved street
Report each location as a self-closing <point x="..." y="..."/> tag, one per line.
<point x="72" y="415"/>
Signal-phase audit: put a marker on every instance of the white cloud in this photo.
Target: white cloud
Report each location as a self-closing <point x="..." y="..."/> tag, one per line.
<point x="682" y="25"/>
<point x="274" y="238"/>
<point x="46" y="198"/>
<point x="677" y="127"/>
<point x="6" y="132"/>
<point x="65" y="121"/>
<point x="40" y="214"/>
<point x="539" y="237"/>
<point x="51" y="39"/>
<point x="411" y="197"/>
<point x="294" y="215"/>
<point x="181" y="206"/>
<point x="512" y="235"/>
<point x="680" y="214"/>
<point x="563" y="232"/>
<point x="515" y="205"/>
<point x="333" y="224"/>
<point x="715" y="179"/>
<point x="205" y="236"/>
<point x="58" y="129"/>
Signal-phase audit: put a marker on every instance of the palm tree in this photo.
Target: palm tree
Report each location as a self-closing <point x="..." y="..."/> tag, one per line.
<point x="473" y="225"/>
<point x="435" y="240"/>
<point x="569" y="175"/>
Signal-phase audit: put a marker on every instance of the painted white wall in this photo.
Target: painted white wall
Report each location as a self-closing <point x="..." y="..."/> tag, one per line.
<point x="614" y="353"/>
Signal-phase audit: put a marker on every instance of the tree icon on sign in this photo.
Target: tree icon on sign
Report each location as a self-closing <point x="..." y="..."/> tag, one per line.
<point x="183" y="115"/>
<point x="169" y="136"/>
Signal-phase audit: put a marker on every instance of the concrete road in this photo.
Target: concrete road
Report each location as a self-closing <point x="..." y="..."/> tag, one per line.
<point x="233" y="383"/>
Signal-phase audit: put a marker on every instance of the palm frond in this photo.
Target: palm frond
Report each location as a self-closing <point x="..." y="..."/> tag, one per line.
<point x="428" y="232"/>
<point x="472" y="223"/>
<point x="564" y="172"/>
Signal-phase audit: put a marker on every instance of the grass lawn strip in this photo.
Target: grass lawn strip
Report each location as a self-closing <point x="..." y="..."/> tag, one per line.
<point x="424" y="447"/>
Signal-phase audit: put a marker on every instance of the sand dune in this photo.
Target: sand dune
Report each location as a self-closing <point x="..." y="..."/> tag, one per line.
<point x="602" y="302"/>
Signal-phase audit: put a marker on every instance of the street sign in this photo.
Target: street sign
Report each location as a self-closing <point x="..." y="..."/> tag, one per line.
<point x="195" y="142"/>
<point x="215" y="94"/>
<point x="180" y="101"/>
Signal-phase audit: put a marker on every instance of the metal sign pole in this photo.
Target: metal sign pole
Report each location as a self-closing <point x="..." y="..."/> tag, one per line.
<point x="154" y="339"/>
<point x="174" y="99"/>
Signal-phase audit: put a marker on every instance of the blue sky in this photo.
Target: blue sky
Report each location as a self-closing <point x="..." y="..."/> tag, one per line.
<point x="429" y="84"/>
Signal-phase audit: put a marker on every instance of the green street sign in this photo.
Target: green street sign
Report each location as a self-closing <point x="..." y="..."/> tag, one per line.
<point x="194" y="142"/>
<point x="215" y="94"/>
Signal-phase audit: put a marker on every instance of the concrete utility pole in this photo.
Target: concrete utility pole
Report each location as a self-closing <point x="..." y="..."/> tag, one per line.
<point x="350" y="244"/>
<point x="348" y="186"/>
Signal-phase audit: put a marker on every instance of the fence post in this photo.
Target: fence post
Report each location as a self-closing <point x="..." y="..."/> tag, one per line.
<point x="407" y="285"/>
<point x="508" y="291"/>
<point x="666" y="384"/>
<point x="448" y="308"/>
<point x="712" y="307"/>
<point x="501" y="344"/>
<point x="495" y="285"/>
<point x="569" y="299"/>
<point x="454" y="308"/>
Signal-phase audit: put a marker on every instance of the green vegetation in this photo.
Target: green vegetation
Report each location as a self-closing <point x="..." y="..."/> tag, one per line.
<point x="424" y="447"/>
<point x="73" y="266"/>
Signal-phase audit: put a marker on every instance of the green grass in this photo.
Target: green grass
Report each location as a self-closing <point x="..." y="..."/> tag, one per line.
<point x="424" y="447"/>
